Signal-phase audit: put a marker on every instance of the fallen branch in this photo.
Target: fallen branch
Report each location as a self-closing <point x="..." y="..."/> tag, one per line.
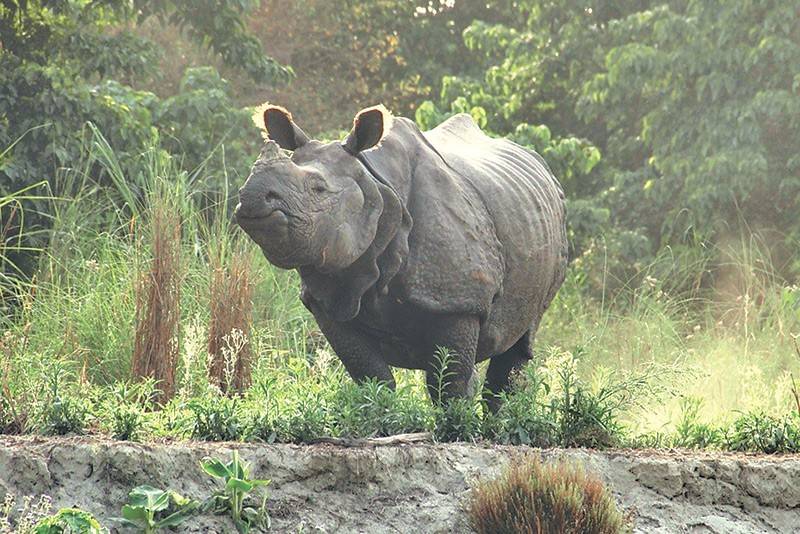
<point x="398" y="439"/>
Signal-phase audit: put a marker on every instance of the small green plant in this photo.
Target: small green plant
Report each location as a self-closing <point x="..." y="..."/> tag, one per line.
<point x="217" y="418"/>
<point x="150" y="509"/>
<point x="543" y="499"/>
<point x="457" y="420"/>
<point x="238" y="487"/>
<point x="69" y="521"/>
<point x="372" y="409"/>
<point x="690" y="432"/>
<point x="308" y="417"/>
<point x="523" y="418"/>
<point x="62" y="412"/>
<point x="125" y="406"/>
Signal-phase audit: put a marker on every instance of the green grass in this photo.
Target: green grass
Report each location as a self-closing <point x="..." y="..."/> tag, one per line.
<point x="698" y="348"/>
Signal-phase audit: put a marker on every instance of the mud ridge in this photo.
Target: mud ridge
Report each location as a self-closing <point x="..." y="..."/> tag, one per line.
<point x="413" y="487"/>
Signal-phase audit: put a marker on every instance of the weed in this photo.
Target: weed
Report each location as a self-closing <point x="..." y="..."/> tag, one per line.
<point x="690" y="432"/>
<point x="542" y="499"/>
<point x="150" y="509"/>
<point x="125" y="407"/>
<point x="372" y="409"/>
<point x="238" y="487"/>
<point x="457" y="420"/>
<point x="308" y="416"/>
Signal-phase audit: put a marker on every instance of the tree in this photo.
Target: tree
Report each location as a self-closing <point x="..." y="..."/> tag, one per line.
<point x="58" y="65"/>
<point x="694" y="104"/>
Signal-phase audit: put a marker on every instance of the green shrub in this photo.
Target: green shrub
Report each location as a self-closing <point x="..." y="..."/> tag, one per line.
<point x="544" y="499"/>
<point x="691" y="433"/>
<point x="307" y="417"/>
<point x="217" y="419"/>
<point x="372" y="409"/>
<point x="758" y="432"/>
<point x="123" y="408"/>
<point x="457" y="420"/>
<point x="61" y="411"/>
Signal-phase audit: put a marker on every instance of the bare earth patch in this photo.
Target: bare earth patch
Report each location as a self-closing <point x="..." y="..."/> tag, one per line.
<point x="415" y="487"/>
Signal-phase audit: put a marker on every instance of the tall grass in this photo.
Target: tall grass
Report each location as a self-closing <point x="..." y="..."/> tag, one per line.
<point x="229" y="345"/>
<point x="158" y="289"/>
<point x="722" y="320"/>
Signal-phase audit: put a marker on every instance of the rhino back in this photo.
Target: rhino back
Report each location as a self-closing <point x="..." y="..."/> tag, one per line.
<point x="526" y="205"/>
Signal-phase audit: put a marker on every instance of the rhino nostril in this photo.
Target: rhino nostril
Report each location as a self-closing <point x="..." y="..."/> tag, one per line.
<point x="272" y="196"/>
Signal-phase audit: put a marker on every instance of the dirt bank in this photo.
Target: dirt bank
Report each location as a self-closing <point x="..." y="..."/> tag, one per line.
<point x="405" y="488"/>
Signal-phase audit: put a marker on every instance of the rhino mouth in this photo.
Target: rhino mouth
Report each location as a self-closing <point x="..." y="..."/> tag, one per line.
<point x="273" y="233"/>
<point x="262" y="215"/>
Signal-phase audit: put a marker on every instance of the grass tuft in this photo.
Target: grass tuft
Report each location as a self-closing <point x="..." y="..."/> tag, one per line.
<point x="229" y="327"/>
<point x="158" y="290"/>
<point x="544" y="499"/>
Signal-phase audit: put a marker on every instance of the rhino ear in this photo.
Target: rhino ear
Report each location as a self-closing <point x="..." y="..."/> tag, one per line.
<point x="369" y="127"/>
<point x="279" y="126"/>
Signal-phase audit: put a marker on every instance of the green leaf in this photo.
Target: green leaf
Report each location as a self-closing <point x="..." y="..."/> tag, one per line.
<point x="214" y="467"/>
<point x="178" y="517"/>
<point x="237" y="484"/>
<point x="134" y="513"/>
<point x="144" y="495"/>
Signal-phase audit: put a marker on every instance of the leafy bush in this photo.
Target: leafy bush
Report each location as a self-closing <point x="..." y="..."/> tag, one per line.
<point x="457" y="420"/>
<point x="523" y="418"/>
<point x="690" y="432"/>
<point x="531" y="497"/>
<point x="124" y="408"/>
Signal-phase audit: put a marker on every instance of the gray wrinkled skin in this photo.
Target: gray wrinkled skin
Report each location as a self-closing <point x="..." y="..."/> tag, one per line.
<point x="408" y="241"/>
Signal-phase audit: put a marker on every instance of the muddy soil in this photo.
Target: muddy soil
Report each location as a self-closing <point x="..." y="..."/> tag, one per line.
<point x="405" y="488"/>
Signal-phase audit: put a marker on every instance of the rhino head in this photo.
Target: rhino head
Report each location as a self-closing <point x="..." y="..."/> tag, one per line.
<point x="308" y="203"/>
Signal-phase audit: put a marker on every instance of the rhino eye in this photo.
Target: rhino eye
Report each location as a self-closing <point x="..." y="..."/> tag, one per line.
<point x="318" y="185"/>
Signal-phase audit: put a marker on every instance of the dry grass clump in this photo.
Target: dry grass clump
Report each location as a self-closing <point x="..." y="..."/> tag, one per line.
<point x="530" y="497"/>
<point x="229" y="326"/>
<point x="158" y="295"/>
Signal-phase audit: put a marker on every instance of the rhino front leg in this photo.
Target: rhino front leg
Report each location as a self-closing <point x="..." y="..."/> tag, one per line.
<point x="458" y="378"/>
<point x="360" y="353"/>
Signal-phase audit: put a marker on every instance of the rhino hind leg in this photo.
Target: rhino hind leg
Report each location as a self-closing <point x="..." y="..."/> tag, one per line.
<point x="459" y="378"/>
<point x="501" y="368"/>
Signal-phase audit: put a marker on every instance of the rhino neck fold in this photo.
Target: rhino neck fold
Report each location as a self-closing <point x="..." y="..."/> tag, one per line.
<point x="340" y="293"/>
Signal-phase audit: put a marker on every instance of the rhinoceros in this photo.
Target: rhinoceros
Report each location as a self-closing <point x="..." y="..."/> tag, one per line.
<point x="408" y="241"/>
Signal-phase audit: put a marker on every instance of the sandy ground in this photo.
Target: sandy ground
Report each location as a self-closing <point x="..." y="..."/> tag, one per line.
<point x="405" y="488"/>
